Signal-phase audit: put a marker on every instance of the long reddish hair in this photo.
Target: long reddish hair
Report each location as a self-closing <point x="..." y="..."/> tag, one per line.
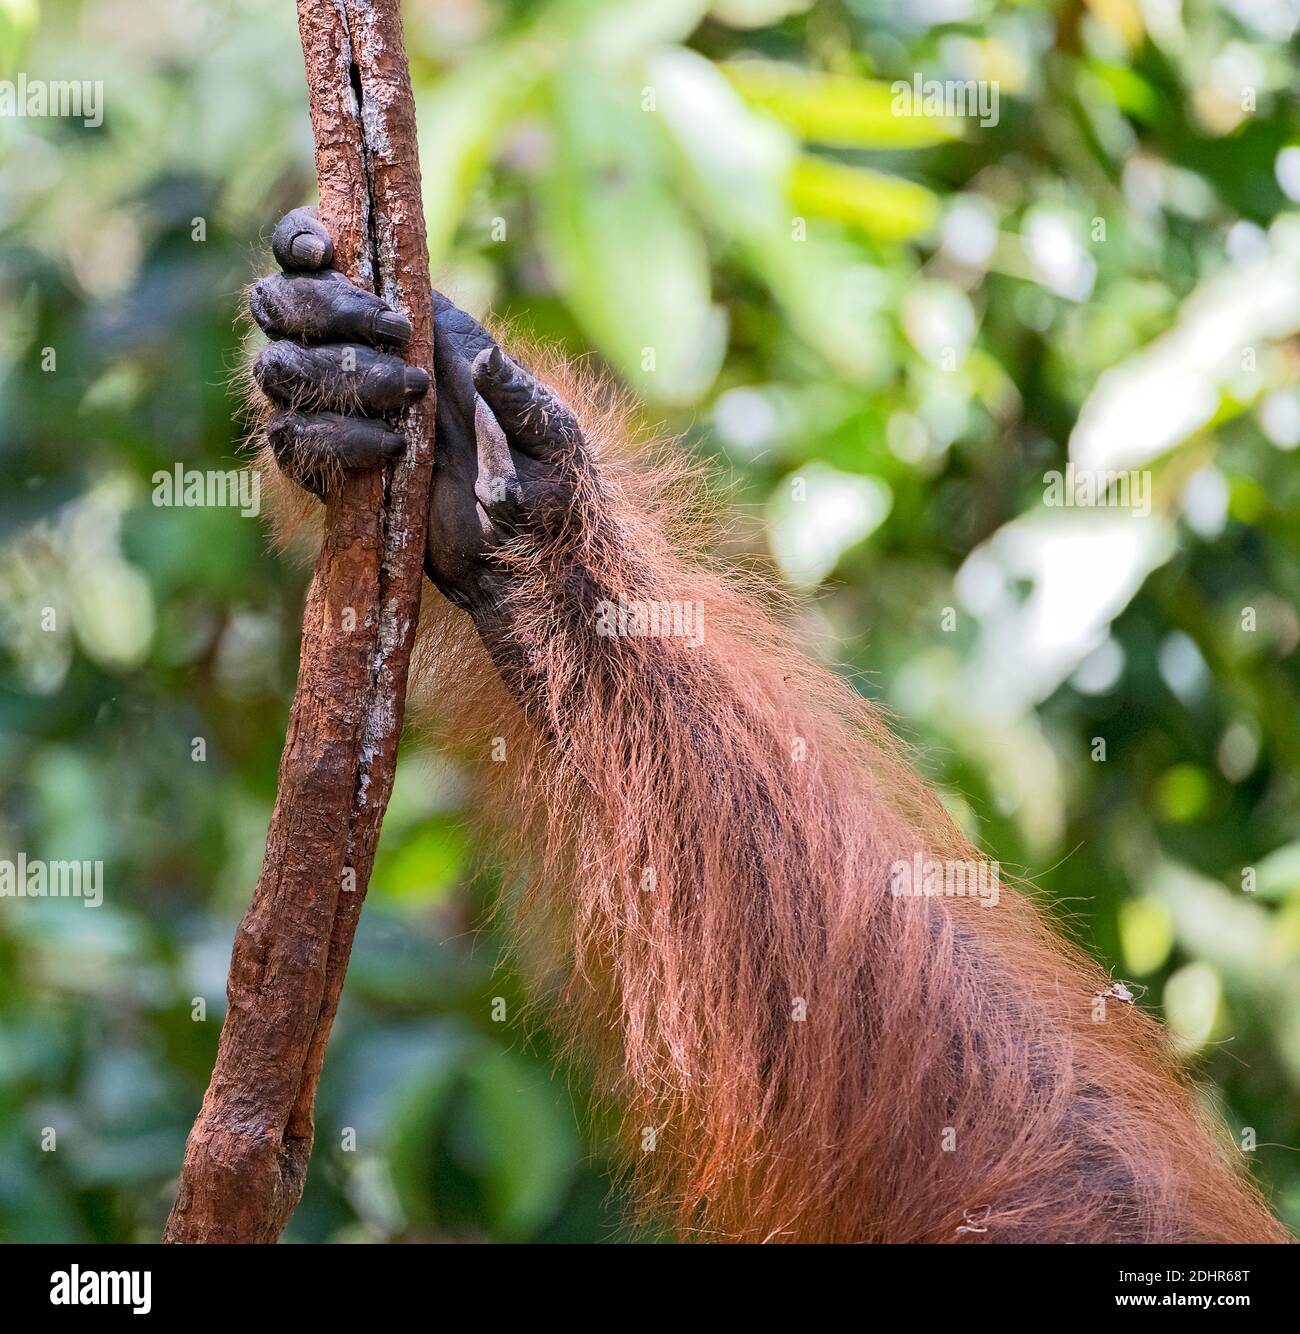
<point x="699" y="844"/>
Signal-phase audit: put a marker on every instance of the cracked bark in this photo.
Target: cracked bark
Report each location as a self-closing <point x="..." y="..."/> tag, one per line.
<point x="246" y="1157"/>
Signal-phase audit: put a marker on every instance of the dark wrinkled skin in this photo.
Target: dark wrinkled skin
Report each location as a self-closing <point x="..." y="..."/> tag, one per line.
<point x="506" y="449"/>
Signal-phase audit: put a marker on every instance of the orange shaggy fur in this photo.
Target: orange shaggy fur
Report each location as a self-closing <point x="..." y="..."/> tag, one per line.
<point x="929" y="1021"/>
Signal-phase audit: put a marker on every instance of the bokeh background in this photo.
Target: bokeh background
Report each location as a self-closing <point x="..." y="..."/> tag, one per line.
<point x="918" y="316"/>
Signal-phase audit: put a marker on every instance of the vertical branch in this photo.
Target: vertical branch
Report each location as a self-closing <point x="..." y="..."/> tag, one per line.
<point x="246" y="1157"/>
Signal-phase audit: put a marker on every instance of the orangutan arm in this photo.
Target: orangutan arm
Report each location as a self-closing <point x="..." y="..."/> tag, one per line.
<point x="713" y="820"/>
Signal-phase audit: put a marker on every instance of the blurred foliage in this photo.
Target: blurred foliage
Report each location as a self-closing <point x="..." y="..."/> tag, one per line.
<point x="917" y="316"/>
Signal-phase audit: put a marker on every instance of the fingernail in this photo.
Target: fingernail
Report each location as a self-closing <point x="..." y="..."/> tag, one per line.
<point x="415" y="381"/>
<point x="300" y="243"/>
<point x="393" y="326"/>
<point x="308" y="250"/>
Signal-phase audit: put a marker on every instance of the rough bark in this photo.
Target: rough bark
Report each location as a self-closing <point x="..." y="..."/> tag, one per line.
<point x="246" y="1158"/>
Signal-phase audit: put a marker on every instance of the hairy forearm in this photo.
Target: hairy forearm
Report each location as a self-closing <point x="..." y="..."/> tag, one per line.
<point x="802" y="1043"/>
<point x="708" y="822"/>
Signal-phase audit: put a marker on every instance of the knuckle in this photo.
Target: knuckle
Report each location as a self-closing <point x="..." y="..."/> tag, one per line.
<point x="260" y="364"/>
<point x="260" y="304"/>
<point x="282" y="432"/>
<point x="278" y="371"/>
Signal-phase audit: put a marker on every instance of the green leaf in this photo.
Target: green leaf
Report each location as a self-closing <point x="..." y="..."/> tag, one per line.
<point x="885" y="206"/>
<point x="632" y="267"/>
<point x="417" y="1111"/>
<point x="1192" y="998"/>
<point x="424" y="868"/>
<point x="1183" y="793"/>
<point x="17" y="24"/>
<point x="835" y="109"/>
<point x="1131" y="93"/>
<point x="460" y="122"/>
<point x="738" y="167"/>
<point x="531" y="1145"/>
<point x="1146" y="933"/>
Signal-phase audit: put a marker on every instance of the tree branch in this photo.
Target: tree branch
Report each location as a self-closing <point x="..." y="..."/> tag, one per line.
<point x="246" y="1157"/>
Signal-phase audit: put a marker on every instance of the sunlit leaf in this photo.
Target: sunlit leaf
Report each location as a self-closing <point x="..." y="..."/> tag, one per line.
<point x="886" y="206"/>
<point x="756" y="13"/>
<point x="1174" y="387"/>
<point x="427" y="864"/>
<point x="1226" y="928"/>
<point x="614" y="31"/>
<point x="1192" y="997"/>
<point x="1278" y="875"/>
<point x="1132" y="94"/>
<point x="17" y="23"/>
<point x="1146" y="934"/>
<point x="835" y="109"/>
<point x="817" y="514"/>
<point x="739" y="167"/>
